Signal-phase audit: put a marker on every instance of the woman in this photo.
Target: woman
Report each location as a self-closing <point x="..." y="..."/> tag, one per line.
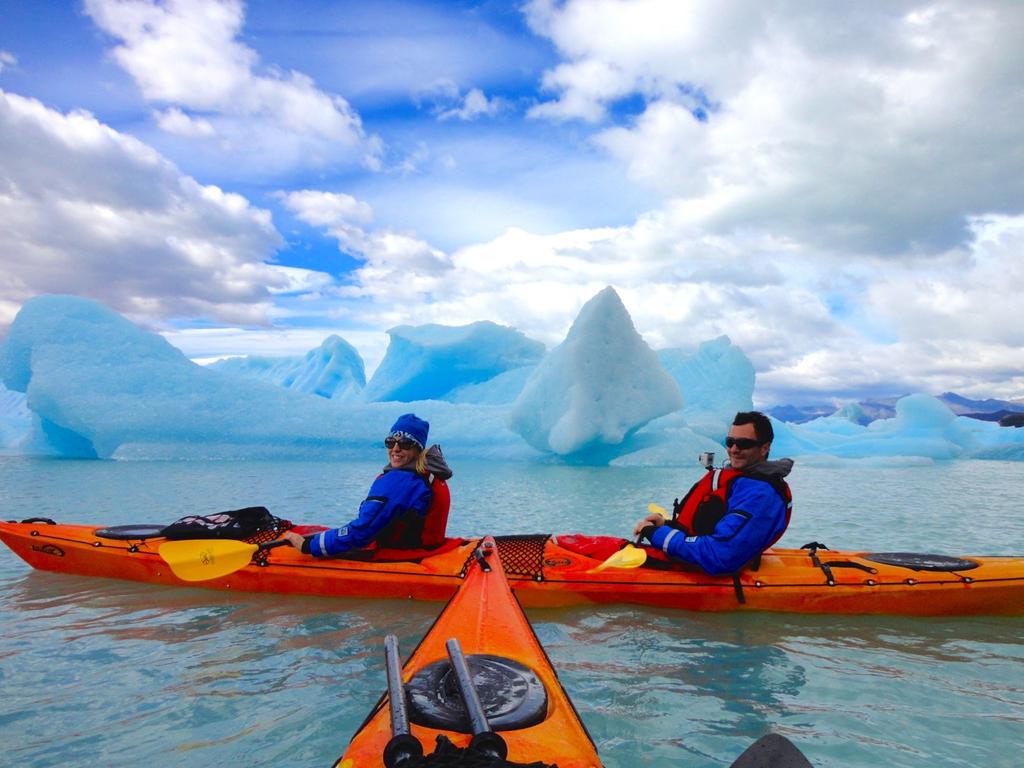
<point x="397" y="511"/>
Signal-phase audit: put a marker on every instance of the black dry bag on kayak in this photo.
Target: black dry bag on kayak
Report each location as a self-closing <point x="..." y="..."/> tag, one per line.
<point x="233" y="524"/>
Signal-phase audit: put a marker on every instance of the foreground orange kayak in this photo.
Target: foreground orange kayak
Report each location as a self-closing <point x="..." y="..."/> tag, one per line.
<point x="478" y="684"/>
<point x="556" y="571"/>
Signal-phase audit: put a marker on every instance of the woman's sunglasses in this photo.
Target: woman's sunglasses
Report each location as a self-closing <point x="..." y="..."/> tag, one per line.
<point x="405" y="443"/>
<point x="743" y="443"/>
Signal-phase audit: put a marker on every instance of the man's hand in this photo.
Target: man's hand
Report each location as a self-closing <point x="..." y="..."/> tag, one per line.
<point x="654" y="519"/>
<point x="647" y="532"/>
<point x="294" y="539"/>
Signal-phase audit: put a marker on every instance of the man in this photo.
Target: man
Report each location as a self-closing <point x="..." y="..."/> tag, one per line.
<point x="731" y="515"/>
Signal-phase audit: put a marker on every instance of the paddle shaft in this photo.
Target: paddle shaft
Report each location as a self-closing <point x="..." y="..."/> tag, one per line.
<point x="403" y="747"/>
<point x="475" y="710"/>
<point x="396" y="691"/>
<point x="274" y="543"/>
<point x="271" y="545"/>
<point x="484" y="739"/>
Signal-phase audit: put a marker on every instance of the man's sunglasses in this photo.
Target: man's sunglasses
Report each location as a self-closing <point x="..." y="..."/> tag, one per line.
<point x="743" y="443"/>
<point x="405" y="443"/>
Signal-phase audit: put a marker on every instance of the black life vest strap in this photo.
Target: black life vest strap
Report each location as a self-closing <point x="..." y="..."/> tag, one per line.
<point x="738" y="588"/>
<point x="752" y="564"/>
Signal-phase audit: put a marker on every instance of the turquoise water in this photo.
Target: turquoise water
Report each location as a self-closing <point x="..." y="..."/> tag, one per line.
<point x="106" y="673"/>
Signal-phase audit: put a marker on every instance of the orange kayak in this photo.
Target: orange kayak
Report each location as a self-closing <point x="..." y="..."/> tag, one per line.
<point x="557" y="571"/>
<point x="479" y="684"/>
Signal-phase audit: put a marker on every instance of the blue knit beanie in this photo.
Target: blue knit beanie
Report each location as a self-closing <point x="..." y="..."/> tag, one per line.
<point x="411" y="426"/>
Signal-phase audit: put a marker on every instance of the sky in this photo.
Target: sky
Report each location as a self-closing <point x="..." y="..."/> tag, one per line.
<point x="838" y="187"/>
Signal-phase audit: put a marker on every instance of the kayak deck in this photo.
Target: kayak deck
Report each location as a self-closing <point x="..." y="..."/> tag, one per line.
<point x="544" y="573"/>
<point x="487" y="623"/>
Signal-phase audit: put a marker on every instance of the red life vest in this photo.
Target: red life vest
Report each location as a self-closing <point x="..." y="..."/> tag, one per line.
<point x="436" y="521"/>
<point x="708" y="500"/>
<point x="414" y="531"/>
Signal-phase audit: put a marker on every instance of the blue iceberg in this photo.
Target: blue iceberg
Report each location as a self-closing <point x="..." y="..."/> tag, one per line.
<point x="82" y="381"/>
<point x="437" y="362"/>
<point x="334" y="370"/>
<point x="597" y="388"/>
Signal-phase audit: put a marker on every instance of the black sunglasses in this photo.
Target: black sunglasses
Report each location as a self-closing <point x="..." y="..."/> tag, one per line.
<point x="405" y="443"/>
<point x="743" y="443"/>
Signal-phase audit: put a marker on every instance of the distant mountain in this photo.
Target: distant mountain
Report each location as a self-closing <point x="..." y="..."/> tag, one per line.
<point x="964" y="406"/>
<point x="798" y="414"/>
<point x="990" y="409"/>
<point x="1010" y="417"/>
<point x="873" y="410"/>
<point x="1008" y="413"/>
<point x="869" y="411"/>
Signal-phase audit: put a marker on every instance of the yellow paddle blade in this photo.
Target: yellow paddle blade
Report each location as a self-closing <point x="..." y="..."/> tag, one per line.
<point x="202" y="559"/>
<point x="627" y="557"/>
<point x="657" y="509"/>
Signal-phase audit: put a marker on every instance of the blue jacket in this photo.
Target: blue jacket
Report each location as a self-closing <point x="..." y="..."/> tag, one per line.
<point x="755" y="516"/>
<point x="394" y="493"/>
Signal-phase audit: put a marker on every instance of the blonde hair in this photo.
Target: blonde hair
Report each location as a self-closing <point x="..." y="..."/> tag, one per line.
<point x="421" y="463"/>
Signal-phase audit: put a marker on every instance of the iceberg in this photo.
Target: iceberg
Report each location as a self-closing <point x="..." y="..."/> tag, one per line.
<point x="79" y="380"/>
<point x="503" y="389"/>
<point x="96" y="383"/>
<point x="436" y="362"/>
<point x="717" y="378"/>
<point x="596" y="388"/>
<point x="334" y="370"/>
<point x="100" y="387"/>
<point x="717" y="381"/>
<point x="669" y="443"/>
<point x="922" y="427"/>
<point x="15" y="420"/>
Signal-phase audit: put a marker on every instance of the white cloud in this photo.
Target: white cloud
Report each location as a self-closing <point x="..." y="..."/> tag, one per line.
<point x="838" y="188"/>
<point x="449" y="102"/>
<point x="295" y="280"/>
<point x="175" y="121"/>
<point x="815" y="332"/>
<point x="327" y="209"/>
<point x="7" y="59"/>
<point x="813" y="328"/>
<point x="398" y="270"/>
<point x="415" y="160"/>
<point x="971" y="298"/>
<point x="473" y="105"/>
<point x="866" y="128"/>
<point x="585" y="87"/>
<point x="90" y="211"/>
<point x="186" y="53"/>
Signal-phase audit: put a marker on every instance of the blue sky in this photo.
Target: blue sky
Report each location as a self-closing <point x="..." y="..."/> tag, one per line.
<point x="837" y="187"/>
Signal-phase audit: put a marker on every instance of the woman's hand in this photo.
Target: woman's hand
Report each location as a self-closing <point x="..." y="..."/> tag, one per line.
<point x="294" y="539"/>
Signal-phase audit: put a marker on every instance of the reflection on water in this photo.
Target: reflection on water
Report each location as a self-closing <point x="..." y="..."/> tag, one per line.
<point x="141" y="670"/>
<point x="101" y="672"/>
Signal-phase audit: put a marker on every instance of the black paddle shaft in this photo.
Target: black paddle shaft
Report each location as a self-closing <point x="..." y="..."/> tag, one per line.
<point x="484" y="739"/>
<point x="403" y="746"/>
<point x="396" y="691"/>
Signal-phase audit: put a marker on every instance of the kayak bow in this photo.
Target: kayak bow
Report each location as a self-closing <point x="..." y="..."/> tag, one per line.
<point x="479" y="683"/>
